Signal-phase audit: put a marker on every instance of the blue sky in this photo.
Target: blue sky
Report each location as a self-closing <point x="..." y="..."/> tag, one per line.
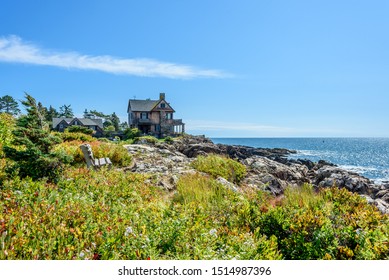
<point x="260" y="68"/>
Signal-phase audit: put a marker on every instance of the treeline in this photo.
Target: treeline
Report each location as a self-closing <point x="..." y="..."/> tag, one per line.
<point x="111" y="122"/>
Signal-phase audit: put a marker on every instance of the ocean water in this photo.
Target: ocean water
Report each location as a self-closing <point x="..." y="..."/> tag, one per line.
<point x="366" y="156"/>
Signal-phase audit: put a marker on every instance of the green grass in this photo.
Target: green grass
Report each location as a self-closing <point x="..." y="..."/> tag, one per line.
<point x="215" y="165"/>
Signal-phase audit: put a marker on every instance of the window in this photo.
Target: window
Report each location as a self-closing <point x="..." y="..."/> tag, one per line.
<point x="143" y="116"/>
<point x="169" y="116"/>
<point x="163" y="105"/>
<point x="75" y="122"/>
<point x="61" y="126"/>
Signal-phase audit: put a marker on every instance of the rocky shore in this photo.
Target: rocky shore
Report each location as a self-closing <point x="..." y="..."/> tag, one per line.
<point x="267" y="169"/>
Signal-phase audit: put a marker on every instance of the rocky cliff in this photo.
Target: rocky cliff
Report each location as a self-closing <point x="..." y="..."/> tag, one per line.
<point x="268" y="169"/>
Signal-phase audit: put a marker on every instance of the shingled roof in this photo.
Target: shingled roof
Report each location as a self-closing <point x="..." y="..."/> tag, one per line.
<point x="84" y="121"/>
<point x="142" y="105"/>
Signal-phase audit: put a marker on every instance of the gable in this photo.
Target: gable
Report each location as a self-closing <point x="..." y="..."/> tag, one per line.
<point x="162" y="105"/>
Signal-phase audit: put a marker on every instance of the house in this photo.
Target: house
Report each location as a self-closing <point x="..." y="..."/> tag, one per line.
<point x="60" y="124"/>
<point x="154" y="117"/>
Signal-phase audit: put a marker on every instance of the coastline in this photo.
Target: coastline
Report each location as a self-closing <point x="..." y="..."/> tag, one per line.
<point x="269" y="169"/>
<point x="368" y="156"/>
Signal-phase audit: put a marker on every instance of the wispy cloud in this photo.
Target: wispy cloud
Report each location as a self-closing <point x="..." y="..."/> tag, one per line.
<point x="13" y="49"/>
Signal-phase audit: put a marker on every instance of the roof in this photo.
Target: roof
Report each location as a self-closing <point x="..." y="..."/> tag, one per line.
<point x="84" y="121"/>
<point x="142" y="105"/>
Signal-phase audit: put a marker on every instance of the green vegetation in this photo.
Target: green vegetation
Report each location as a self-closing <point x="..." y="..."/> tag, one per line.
<point x="215" y="165"/>
<point x="31" y="152"/>
<point x="146" y="139"/>
<point x="80" y="129"/>
<point x="80" y="213"/>
<point x="332" y="224"/>
<point x="131" y="133"/>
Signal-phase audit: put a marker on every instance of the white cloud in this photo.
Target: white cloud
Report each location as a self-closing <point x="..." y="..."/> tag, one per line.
<point x="13" y="49"/>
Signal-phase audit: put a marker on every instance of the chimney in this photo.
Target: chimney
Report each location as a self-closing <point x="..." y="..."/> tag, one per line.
<point x="162" y="96"/>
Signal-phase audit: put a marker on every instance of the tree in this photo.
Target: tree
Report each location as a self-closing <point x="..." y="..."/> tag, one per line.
<point x="9" y="105"/>
<point x="35" y="117"/>
<point x="66" y="111"/>
<point x="115" y="121"/>
<point x="98" y="114"/>
<point x="31" y="149"/>
<point x="123" y="126"/>
<point x="51" y="113"/>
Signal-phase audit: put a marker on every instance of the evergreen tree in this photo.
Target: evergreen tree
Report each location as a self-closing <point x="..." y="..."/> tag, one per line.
<point x="33" y="156"/>
<point x="35" y="117"/>
<point x="51" y="113"/>
<point x="9" y="105"/>
<point x="115" y="121"/>
<point x="66" y="111"/>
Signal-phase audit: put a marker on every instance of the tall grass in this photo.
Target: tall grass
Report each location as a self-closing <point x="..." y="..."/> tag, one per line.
<point x="215" y="165"/>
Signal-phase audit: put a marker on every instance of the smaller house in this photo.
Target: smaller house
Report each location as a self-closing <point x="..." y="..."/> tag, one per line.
<point x="60" y="124"/>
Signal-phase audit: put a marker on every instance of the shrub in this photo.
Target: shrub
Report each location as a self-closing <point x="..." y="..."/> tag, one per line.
<point x="146" y="140"/>
<point x="71" y="136"/>
<point x="168" y="140"/>
<point x="79" y="129"/>
<point x="131" y="133"/>
<point x="220" y="166"/>
<point x="333" y="224"/>
<point x="119" y="155"/>
<point x="32" y="154"/>
<point x="7" y="125"/>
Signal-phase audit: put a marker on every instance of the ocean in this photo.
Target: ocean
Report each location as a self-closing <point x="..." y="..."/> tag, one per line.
<point x="367" y="156"/>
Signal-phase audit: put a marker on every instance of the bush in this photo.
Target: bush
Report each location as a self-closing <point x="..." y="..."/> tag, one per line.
<point x="333" y="224"/>
<point x="32" y="154"/>
<point x="215" y="165"/>
<point x="168" y="140"/>
<point x="7" y="125"/>
<point x="79" y="129"/>
<point x="131" y="133"/>
<point x="119" y="155"/>
<point x="71" y="136"/>
<point x="146" y="140"/>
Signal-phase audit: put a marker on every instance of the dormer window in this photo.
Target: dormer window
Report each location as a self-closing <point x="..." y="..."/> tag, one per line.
<point x="163" y="105"/>
<point x="75" y="122"/>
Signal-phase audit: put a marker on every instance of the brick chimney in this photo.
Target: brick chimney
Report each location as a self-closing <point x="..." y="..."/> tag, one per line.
<point x="162" y="96"/>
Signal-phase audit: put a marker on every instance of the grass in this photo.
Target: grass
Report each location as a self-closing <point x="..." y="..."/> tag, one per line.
<point x="215" y="165"/>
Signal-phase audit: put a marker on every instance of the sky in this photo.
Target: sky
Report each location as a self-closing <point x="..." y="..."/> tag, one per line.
<point x="247" y="68"/>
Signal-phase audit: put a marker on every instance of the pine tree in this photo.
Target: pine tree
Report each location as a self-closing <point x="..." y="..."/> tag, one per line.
<point x="115" y="121"/>
<point x="33" y="156"/>
<point x="9" y="105"/>
<point x="66" y="111"/>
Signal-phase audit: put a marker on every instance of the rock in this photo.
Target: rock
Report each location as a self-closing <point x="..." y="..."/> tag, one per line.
<point x="368" y="199"/>
<point x="227" y="184"/>
<point x="382" y="206"/>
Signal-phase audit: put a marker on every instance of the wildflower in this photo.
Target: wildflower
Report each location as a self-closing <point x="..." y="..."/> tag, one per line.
<point x="128" y="231"/>
<point x="82" y="255"/>
<point x="213" y="232"/>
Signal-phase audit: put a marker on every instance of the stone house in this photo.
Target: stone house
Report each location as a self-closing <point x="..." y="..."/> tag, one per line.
<point x="154" y="117"/>
<point x="60" y="124"/>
